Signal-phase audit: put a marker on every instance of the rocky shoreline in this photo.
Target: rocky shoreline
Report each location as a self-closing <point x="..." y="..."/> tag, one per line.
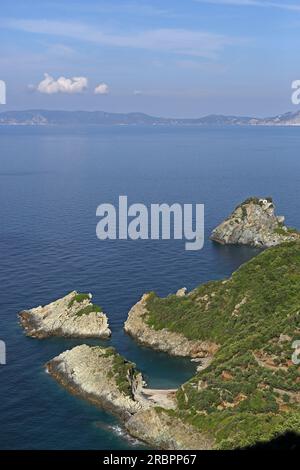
<point x="104" y="378"/>
<point x="175" y="344"/>
<point x="71" y="316"/>
<point x="86" y="371"/>
<point x="166" y="431"/>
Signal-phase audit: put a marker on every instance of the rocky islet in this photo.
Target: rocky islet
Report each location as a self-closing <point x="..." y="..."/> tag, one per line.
<point x="74" y="315"/>
<point x="254" y="223"/>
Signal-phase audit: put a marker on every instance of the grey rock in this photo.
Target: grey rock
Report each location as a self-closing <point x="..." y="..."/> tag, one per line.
<point x="63" y="318"/>
<point x="181" y="292"/>
<point x="165" y="431"/>
<point x="254" y="223"/>
<point x="88" y="372"/>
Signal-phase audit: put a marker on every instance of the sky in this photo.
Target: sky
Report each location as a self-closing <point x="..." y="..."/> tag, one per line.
<point x="172" y="58"/>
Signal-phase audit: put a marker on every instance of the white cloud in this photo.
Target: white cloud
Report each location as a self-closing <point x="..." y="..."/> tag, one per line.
<point x="137" y="92"/>
<point x="62" y="85"/>
<point x="255" y="3"/>
<point x="101" y="89"/>
<point x="171" y="40"/>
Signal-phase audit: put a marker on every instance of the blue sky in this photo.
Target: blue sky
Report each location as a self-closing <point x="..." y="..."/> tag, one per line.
<point x="163" y="57"/>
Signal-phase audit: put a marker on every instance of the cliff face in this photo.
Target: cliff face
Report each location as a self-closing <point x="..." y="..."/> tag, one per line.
<point x="104" y="378"/>
<point x="73" y="316"/>
<point x="99" y="375"/>
<point x="254" y="223"/>
<point x="173" y="343"/>
<point x="166" y="431"/>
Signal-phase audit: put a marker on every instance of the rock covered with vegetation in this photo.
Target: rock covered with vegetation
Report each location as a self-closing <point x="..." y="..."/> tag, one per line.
<point x="162" y="339"/>
<point x="250" y="390"/>
<point x="254" y="223"/>
<point x="73" y="316"/>
<point x="103" y="377"/>
<point x="99" y="375"/>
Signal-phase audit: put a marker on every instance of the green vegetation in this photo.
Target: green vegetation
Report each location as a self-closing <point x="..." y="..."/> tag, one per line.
<point x="238" y="430"/>
<point x="285" y="232"/>
<point x="123" y="371"/>
<point x="280" y="231"/>
<point x="79" y="298"/>
<point x="88" y="309"/>
<point x="254" y="316"/>
<point x="244" y="211"/>
<point x="254" y="200"/>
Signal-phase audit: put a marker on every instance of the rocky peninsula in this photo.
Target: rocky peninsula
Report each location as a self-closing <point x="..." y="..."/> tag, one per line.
<point x="249" y="389"/>
<point x="103" y="377"/>
<point x="254" y="223"/>
<point x="171" y="342"/>
<point x="71" y="316"/>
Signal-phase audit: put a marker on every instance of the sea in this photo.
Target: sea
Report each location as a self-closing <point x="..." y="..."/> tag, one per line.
<point x="51" y="181"/>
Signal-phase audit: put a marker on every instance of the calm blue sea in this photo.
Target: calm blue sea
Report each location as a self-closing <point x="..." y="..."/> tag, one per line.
<point x="51" y="181"/>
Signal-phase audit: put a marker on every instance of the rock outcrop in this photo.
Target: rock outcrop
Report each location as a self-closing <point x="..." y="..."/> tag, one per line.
<point x="166" y="431"/>
<point x="254" y="223"/>
<point x="164" y="340"/>
<point x="72" y="316"/>
<point x="103" y="377"/>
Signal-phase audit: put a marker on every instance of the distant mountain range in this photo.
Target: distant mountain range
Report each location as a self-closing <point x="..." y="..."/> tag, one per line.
<point x="100" y="118"/>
